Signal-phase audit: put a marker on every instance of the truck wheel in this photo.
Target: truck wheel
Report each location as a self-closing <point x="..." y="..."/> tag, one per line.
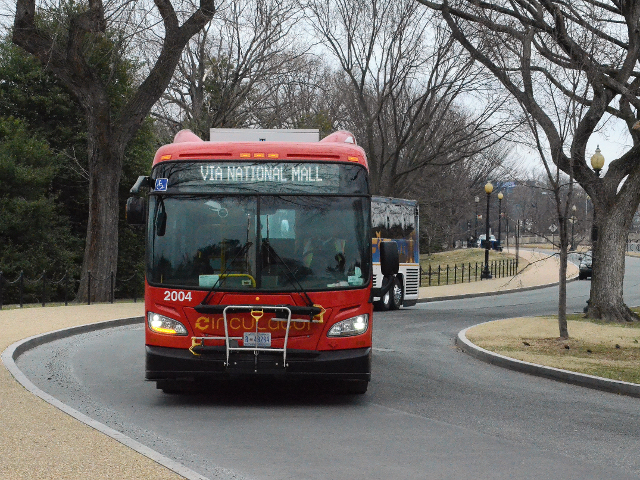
<point x="397" y="294"/>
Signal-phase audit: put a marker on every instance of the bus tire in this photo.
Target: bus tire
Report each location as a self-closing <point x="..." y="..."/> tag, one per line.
<point x="396" y="296"/>
<point x="176" y="387"/>
<point x="356" y="387"/>
<point x="169" y="387"/>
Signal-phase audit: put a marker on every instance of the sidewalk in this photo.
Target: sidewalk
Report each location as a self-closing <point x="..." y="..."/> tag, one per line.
<point x="542" y="271"/>
<point x="40" y="441"/>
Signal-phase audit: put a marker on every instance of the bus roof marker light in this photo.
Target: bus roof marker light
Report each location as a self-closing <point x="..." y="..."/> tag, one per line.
<point x="165" y="157"/>
<point x="245" y="155"/>
<point x="258" y="155"/>
<point x="353" y="159"/>
<point x="273" y="155"/>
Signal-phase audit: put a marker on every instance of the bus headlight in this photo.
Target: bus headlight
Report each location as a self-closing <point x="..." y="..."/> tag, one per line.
<point x="350" y="326"/>
<point x="168" y="326"/>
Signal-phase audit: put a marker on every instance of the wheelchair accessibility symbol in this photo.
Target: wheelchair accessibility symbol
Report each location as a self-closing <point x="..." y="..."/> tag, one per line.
<point x="161" y="184"/>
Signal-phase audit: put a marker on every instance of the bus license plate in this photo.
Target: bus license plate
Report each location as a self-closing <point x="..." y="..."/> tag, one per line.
<point x="259" y="339"/>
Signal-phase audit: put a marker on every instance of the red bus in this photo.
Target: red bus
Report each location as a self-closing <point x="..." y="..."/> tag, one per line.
<point x="258" y="261"/>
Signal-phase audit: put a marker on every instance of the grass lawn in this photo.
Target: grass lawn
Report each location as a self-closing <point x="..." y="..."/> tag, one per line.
<point x="462" y="255"/>
<point x="594" y="348"/>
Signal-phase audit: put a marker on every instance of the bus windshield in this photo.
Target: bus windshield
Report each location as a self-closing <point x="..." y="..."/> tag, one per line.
<point x="259" y="242"/>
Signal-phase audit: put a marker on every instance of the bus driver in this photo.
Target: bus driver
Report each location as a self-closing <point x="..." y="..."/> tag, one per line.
<point x="325" y="254"/>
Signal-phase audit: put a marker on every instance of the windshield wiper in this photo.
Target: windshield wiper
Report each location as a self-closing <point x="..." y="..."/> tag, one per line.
<point x="223" y="277"/>
<point x="310" y="309"/>
<point x="296" y="283"/>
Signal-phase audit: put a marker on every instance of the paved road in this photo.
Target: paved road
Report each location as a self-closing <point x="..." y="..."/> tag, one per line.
<point x="431" y="411"/>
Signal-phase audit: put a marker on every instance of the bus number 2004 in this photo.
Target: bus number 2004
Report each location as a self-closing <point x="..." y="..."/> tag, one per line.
<point x="175" y="296"/>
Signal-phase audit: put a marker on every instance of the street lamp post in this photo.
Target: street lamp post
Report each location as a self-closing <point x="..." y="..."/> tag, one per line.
<point x="500" y="197"/>
<point x="475" y="233"/>
<point x="573" y="222"/>
<point x="597" y="161"/>
<point x="486" y="273"/>
<point x="518" y="225"/>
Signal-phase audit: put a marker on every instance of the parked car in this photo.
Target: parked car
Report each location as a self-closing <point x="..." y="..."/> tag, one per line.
<point x="585" y="268"/>
<point x="493" y="243"/>
<point x="481" y="239"/>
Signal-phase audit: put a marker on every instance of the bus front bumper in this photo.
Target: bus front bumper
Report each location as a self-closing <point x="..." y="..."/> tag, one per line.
<point x="163" y="363"/>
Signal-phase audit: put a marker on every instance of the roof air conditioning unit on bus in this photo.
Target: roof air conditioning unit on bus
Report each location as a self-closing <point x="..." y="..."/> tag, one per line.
<point x="263" y="135"/>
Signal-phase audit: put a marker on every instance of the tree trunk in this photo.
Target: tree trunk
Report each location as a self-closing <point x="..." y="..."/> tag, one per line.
<point x="109" y="129"/>
<point x="606" y="302"/>
<point x="562" y="284"/>
<point x="101" y="249"/>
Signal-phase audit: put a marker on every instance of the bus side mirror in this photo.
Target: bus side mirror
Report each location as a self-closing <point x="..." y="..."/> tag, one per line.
<point x="389" y="266"/>
<point x="142" y="182"/>
<point x="389" y="258"/>
<point x="135" y="211"/>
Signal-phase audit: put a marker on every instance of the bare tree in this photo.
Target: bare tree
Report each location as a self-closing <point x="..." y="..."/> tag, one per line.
<point x="549" y="52"/>
<point x="232" y="67"/>
<point x="446" y="193"/>
<point x="308" y="95"/>
<point x="562" y="191"/>
<point x="70" y="40"/>
<point x="565" y="113"/>
<point x="404" y="77"/>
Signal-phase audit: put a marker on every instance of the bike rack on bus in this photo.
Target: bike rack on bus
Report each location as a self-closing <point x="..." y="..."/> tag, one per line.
<point x="257" y="312"/>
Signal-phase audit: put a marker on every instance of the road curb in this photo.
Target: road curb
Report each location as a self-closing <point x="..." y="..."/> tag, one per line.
<point x="13" y="352"/>
<point x="581" y="379"/>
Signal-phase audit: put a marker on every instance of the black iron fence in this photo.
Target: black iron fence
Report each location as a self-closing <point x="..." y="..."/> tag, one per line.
<point x="43" y="290"/>
<point x="465" y="272"/>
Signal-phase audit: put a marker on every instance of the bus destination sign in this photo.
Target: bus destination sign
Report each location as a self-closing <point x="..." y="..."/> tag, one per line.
<point x="279" y="173"/>
<point x="267" y="177"/>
